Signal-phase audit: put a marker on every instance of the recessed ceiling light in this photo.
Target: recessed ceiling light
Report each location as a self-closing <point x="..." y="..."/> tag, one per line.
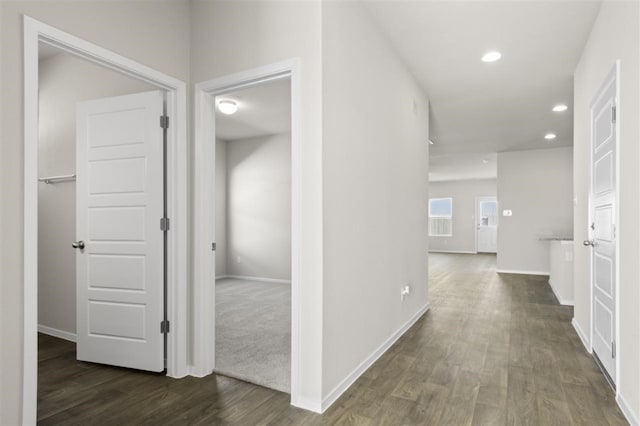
<point x="550" y="136"/>
<point x="227" y="106"/>
<point x="491" y="56"/>
<point x="431" y="142"/>
<point x="559" y="108"/>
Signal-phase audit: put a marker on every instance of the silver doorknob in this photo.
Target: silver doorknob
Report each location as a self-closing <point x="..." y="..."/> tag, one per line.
<point x="78" y="245"/>
<point x="591" y="243"/>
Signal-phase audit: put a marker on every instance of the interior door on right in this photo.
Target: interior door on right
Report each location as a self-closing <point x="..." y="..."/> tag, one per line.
<point x="602" y="225"/>
<point x="487" y="224"/>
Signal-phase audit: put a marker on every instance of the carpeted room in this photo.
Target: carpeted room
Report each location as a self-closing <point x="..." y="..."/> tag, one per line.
<point x="253" y="234"/>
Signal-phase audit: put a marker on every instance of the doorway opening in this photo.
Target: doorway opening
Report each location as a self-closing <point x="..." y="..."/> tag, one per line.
<point x="98" y="180"/>
<point x="486" y="225"/>
<point x="40" y="38"/>
<point x="207" y="257"/>
<point x="253" y="234"/>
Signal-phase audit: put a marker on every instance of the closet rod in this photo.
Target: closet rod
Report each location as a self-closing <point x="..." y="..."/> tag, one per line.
<point x="53" y="179"/>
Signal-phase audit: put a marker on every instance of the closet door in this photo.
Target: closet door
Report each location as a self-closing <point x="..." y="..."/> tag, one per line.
<point x="120" y="249"/>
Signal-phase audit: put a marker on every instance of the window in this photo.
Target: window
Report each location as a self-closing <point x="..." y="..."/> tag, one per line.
<point x="488" y="213"/>
<point x="440" y="213"/>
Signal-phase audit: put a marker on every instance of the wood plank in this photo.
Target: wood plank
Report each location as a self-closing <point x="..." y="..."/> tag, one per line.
<point x="553" y="412"/>
<point x="493" y="350"/>
<point x="429" y="406"/>
<point x="488" y="415"/>
<point x="584" y="405"/>
<point x="495" y="396"/>
<point x="521" y="397"/>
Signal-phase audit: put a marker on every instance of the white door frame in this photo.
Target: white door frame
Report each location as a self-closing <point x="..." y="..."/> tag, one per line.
<point x="204" y="195"/>
<point x="613" y="73"/>
<point x="35" y="32"/>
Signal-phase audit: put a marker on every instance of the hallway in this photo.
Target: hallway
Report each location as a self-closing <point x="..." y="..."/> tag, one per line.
<point x="493" y="349"/>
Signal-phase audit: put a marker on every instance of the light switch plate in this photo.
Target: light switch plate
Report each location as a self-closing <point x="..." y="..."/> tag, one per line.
<point x="507" y="213"/>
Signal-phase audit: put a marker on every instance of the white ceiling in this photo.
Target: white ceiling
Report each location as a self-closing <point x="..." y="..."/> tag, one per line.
<point x="481" y="108"/>
<point x="264" y="109"/>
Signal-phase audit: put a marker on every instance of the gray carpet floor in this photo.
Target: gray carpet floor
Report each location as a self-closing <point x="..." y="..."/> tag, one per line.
<point x="253" y="332"/>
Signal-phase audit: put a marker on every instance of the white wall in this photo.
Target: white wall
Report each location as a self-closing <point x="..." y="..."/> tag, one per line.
<point x="221" y="208"/>
<point x="464" y="193"/>
<point x="64" y="81"/>
<point x="195" y="46"/>
<point x="265" y="32"/>
<point x="614" y="37"/>
<point x="133" y="29"/>
<point x="375" y="161"/>
<point x="537" y="187"/>
<point x="259" y="207"/>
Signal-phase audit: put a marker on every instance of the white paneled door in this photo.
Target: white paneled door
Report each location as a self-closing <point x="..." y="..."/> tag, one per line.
<point x="120" y="247"/>
<point x="602" y="227"/>
<point x="487" y="225"/>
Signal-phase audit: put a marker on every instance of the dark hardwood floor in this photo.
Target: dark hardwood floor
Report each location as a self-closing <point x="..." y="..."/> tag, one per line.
<point x="494" y="349"/>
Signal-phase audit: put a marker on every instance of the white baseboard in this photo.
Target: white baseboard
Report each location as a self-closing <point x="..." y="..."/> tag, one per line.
<point x="357" y="372"/>
<point x="221" y="277"/>
<point x="195" y="372"/>
<point x="307" y="404"/>
<point x="57" y="333"/>
<point x="266" y="280"/>
<point x="517" y="271"/>
<point x="562" y="301"/>
<point x="632" y="417"/>
<point x="453" y="251"/>
<point x="581" y="334"/>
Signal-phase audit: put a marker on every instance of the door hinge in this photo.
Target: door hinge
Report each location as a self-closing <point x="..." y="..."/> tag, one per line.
<point x="164" y="326"/>
<point x="213" y="246"/>
<point x="613" y="230"/>
<point x="613" y="114"/>
<point x="164" y="224"/>
<point x="164" y="121"/>
<point x="613" y="349"/>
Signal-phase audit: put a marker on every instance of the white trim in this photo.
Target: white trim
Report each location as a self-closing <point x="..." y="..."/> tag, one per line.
<point x="35" y="32"/>
<point x="308" y="404"/>
<point x="30" y="211"/>
<point x="630" y="415"/>
<point x="619" y="113"/>
<point x="373" y="357"/>
<point x="517" y="271"/>
<point x="265" y="280"/>
<point x="194" y="372"/>
<point x="204" y="202"/>
<point x="581" y="334"/>
<point x="61" y="334"/>
<point x="453" y="251"/>
<point x="221" y="277"/>
<point x="560" y="299"/>
<point x="203" y="358"/>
